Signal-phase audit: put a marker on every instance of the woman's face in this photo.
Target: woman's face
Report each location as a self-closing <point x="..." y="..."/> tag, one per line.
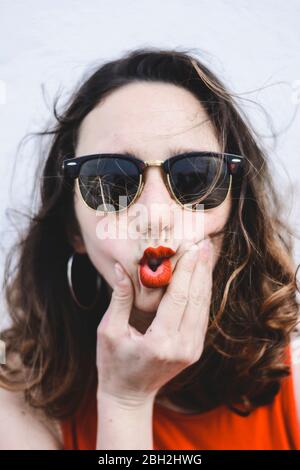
<point x="152" y="121"/>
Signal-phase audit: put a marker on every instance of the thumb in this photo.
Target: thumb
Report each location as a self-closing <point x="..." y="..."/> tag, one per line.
<point x="121" y="300"/>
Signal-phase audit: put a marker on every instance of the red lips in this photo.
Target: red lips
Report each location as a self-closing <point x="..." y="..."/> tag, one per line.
<point x="155" y="267"/>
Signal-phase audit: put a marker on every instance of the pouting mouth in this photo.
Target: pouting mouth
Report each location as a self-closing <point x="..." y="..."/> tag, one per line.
<point x="153" y="263"/>
<point x="153" y="257"/>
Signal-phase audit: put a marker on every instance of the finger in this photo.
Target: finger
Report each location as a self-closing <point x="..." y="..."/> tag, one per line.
<point x="118" y="313"/>
<point x="195" y="317"/>
<point x="172" y="305"/>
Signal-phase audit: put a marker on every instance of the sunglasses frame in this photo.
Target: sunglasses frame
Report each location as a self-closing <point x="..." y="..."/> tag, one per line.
<point x="71" y="169"/>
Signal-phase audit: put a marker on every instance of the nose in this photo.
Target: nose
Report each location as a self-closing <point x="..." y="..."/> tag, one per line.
<point x="156" y="203"/>
<point x="155" y="189"/>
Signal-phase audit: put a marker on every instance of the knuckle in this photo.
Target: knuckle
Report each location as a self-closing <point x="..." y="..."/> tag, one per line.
<point x="178" y="297"/>
<point x="196" y="299"/>
<point x="186" y="358"/>
<point x="197" y="355"/>
<point x="120" y="296"/>
<point x="160" y="351"/>
<point x="102" y="333"/>
<point x="186" y="354"/>
<point x="106" y="334"/>
<point x="163" y="356"/>
<point x="100" y="329"/>
<point x="207" y="295"/>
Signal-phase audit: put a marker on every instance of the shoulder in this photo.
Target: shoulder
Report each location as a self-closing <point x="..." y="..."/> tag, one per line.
<point x="295" y="351"/>
<point x="23" y="427"/>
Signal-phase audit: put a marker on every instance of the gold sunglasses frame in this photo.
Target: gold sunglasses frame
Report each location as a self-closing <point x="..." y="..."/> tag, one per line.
<point x="166" y="178"/>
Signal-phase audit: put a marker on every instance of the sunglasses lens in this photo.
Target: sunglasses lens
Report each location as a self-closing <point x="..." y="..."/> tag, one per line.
<point x="108" y="184"/>
<point x="200" y="180"/>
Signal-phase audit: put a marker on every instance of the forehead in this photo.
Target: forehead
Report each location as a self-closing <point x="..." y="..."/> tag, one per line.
<point x="147" y="119"/>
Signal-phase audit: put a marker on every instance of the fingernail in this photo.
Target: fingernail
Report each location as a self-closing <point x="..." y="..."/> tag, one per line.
<point x="119" y="272"/>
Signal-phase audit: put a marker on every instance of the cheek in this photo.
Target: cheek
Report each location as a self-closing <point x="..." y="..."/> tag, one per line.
<point x="88" y="221"/>
<point x="215" y="221"/>
<point x="103" y="252"/>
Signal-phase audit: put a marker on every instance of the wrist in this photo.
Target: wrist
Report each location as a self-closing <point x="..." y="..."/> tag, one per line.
<point x="125" y="402"/>
<point x="124" y="422"/>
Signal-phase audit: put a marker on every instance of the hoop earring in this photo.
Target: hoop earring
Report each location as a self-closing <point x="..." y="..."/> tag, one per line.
<point x="83" y="276"/>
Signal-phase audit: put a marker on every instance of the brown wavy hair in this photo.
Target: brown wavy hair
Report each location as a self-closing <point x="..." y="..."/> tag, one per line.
<point x="51" y="343"/>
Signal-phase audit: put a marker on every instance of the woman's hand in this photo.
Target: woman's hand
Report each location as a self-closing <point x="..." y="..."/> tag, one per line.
<point x="132" y="367"/>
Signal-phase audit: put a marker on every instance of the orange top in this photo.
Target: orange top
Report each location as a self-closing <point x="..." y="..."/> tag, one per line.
<point x="272" y="426"/>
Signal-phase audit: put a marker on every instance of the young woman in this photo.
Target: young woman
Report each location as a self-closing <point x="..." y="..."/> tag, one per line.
<point x="186" y="342"/>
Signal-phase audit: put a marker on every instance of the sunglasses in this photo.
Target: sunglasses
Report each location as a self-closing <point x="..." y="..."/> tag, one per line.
<point x="115" y="181"/>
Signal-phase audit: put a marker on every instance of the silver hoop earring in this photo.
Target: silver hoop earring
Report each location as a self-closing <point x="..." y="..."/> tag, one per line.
<point x="84" y="280"/>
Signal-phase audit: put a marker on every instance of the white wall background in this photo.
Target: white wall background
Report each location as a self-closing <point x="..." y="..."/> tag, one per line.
<point x="49" y="45"/>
